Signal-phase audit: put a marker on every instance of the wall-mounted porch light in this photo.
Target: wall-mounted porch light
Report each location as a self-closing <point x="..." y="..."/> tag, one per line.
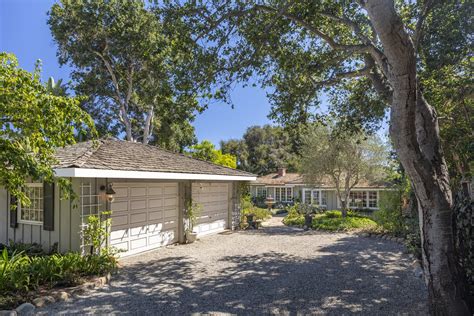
<point x="109" y="192"/>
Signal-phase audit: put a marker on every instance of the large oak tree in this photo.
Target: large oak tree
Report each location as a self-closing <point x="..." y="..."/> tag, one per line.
<point x="302" y="47"/>
<point x="139" y="67"/>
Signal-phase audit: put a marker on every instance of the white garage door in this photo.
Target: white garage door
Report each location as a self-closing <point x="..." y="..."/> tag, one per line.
<point x="144" y="216"/>
<point x="214" y="199"/>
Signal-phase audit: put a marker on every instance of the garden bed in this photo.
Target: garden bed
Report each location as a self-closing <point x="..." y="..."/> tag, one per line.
<point x="26" y="271"/>
<point x="333" y="221"/>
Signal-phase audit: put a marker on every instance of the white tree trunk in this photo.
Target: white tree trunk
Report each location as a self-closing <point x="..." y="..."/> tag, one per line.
<point x="415" y="134"/>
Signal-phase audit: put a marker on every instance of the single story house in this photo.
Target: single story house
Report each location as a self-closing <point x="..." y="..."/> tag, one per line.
<point x="150" y="188"/>
<point x="286" y="188"/>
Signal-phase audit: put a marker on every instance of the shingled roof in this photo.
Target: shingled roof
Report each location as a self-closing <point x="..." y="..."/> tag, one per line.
<point x="113" y="154"/>
<point x="297" y="179"/>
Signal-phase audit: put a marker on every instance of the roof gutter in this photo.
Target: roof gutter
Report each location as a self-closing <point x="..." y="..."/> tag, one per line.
<point x="126" y="174"/>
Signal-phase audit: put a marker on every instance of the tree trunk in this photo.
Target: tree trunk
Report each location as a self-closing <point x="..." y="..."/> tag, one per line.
<point x="344" y="208"/>
<point x="415" y="134"/>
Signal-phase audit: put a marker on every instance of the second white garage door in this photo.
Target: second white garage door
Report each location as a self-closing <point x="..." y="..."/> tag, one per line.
<point x="214" y="199"/>
<point x="144" y="216"/>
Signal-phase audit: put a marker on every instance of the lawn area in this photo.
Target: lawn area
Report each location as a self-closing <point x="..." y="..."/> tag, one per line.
<point x="333" y="221"/>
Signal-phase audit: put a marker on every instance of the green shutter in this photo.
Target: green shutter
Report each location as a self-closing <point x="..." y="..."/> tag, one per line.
<point x="48" y="206"/>
<point x="13" y="211"/>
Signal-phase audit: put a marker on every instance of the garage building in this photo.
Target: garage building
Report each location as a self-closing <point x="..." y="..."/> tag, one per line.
<point x="150" y="188"/>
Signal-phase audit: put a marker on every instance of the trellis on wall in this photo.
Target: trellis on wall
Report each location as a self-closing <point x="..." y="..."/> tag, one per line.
<point x="90" y="204"/>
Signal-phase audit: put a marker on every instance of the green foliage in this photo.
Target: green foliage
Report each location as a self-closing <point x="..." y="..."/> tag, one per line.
<point x="136" y="63"/>
<point x="34" y="122"/>
<point x="389" y="215"/>
<point x="332" y="221"/>
<point x="20" y="273"/>
<point x="263" y="149"/>
<point x="207" y="151"/>
<point x="248" y="207"/>
<point x="96" y="232"/>
<point x="343" y="158"/>
<point x="193" y="211"/>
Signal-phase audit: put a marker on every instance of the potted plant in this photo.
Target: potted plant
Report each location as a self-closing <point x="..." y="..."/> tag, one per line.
<point x="192" y="213"/>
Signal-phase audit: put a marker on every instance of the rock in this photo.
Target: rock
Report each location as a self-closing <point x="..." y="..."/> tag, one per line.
<point x="62" y="296"/>
<point x="43" y="300"/>
<point x="8" y="313"/>
<point x="364" y="235"/>
<point x="25" y="309"/>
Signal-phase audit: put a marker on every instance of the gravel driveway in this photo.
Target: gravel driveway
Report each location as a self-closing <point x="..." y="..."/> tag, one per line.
<point x="276" y="270"/>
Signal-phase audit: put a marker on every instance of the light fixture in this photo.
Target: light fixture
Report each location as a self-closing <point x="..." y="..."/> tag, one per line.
<point x="109" y="192"/>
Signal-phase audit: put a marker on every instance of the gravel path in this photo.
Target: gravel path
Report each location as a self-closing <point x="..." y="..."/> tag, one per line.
<point x="273" y="271"/>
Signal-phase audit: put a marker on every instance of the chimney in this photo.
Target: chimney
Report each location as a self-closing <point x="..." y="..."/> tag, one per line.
<point x="281" y="172"/>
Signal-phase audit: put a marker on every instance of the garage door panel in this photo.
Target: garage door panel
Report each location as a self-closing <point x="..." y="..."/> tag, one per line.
<point x="137" y="191"/>
<point x="162" y="239"/>
<point x="155" y="203"/>
<point x="119" y="220"/>
<point x="138" y="230"/>
<point x="155" y="215"/>
<point x="118" y="234"/>
<point x="118" y="206"/>
<point x="170" y="202"/>
<point x="214" y="199"/>
<point x="170" y="190"/>
<point x="138" y="243"/>
<point x="155" y="190"/>
<point x="145" y="217"/>
<point x="120" y="192"/>
<point x="137" y="205"/>
<point x="138" y="218"/>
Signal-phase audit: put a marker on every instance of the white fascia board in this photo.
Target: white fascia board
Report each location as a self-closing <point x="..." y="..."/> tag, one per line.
<point x="125" y="174"/>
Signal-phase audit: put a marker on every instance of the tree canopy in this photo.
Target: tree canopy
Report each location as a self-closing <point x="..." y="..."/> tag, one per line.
<point x="34" y="121"/>
<point x="207" y="151"/>
<point x="139" y="67"/>
<point x="346" y="159"/>
<point x="263" y="149"/>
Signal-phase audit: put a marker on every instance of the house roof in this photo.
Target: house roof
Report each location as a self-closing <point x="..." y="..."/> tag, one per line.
<point x="273" y="179"/>
<point x="118" y="155"/>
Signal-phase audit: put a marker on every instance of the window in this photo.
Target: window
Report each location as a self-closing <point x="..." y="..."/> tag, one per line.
<point x="307" y="196"/>
<point x="315" y="197"/>
<point x="283" y="194"/>
<point x="261" y="192"/>
<point x="324" y="198"/>
<point x="373" y="199"/>
<point x="357" y="199"/>
<point x="34" y="212"/>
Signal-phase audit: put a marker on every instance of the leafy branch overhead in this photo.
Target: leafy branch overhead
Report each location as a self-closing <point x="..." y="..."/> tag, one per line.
<point x="34" y="121"/>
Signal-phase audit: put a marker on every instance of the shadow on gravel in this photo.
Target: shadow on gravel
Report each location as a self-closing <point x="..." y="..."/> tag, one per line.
<point x="346" y="277"/>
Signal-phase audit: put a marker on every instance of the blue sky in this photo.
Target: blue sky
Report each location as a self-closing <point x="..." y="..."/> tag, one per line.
<point x="24" y="32"/>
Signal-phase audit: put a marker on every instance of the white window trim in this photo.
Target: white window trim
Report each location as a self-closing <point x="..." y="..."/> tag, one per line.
<point x="263" y="188"/>
<point x="319" y="196"/>
<point x="286" y="195"/>
<point x="20" y="208"/>
<point x="366" y="200"/>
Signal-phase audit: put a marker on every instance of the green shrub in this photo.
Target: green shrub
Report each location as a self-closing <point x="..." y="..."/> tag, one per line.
<point x="248" y="208"/>
<point x="20" y="273"/>
<point x="332" y="221"/>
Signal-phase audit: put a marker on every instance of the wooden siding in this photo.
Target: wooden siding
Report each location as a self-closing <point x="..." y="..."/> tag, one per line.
<point x="66" y="224"/>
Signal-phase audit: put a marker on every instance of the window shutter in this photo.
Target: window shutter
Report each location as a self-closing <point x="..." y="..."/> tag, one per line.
<point x="13" y="211"/>
<point x="48" y="206"/>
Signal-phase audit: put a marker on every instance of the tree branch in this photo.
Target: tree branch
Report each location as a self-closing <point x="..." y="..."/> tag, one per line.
<point x="336" y="78"/>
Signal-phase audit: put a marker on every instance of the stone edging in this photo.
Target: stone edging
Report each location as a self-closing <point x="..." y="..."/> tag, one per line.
<point x="57" y="295"/>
